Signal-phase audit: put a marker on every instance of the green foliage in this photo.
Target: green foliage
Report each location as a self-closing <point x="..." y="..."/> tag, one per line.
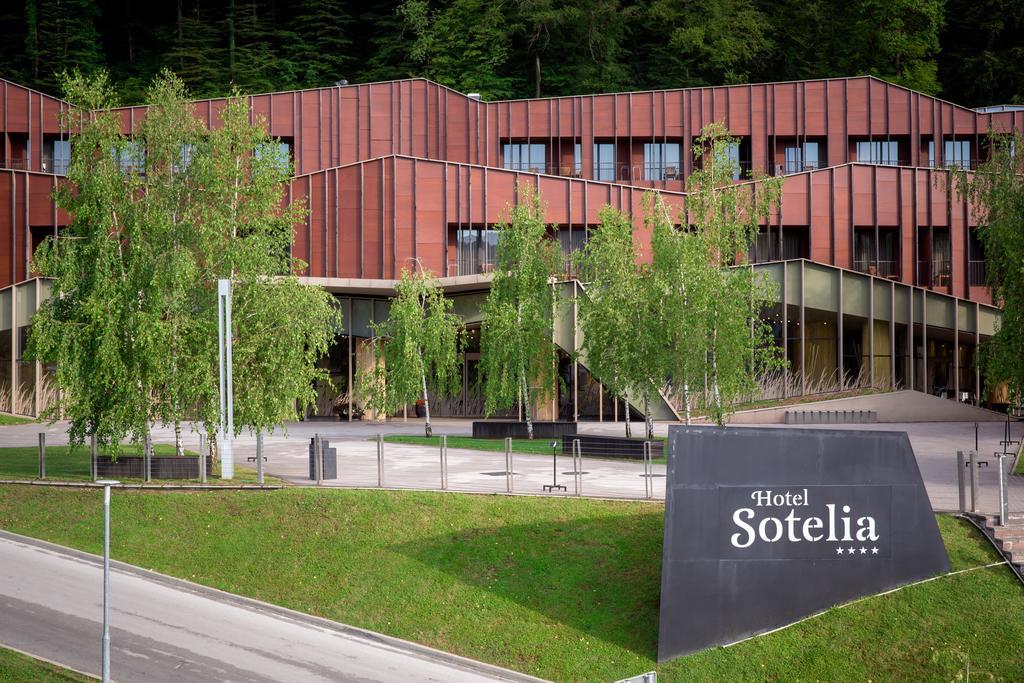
<point x="996" y="195"/>
<point x="132" y="324"/>
<point x="729" y="299"/>
<point x="462" y="46"/>
<point x="621" y="315"/>
<point x="422" y="347"/>
<point x="968" y="51"/>
<point x="517" y="355"/>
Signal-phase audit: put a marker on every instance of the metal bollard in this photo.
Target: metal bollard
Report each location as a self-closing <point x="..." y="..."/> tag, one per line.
<point x="961" y="485"/>
<point x="508" y="464"/>
<point x="259" y="458"/>
<point x="93" y="465"/>
<point x="380" y="461"/>
<point x="444" y="462"/>
<point x="577" y="465"/>
<point x="648" y="485"/>
<point x="204" y="451"/>
<point x="147" y="458"/>
<point x="42" y="455"/>
<point x="973" y="464"/>
<point x="1003" y="501"/>
<point x="318" y="463"/>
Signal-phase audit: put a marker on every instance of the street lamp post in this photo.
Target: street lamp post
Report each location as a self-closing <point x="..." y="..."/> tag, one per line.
<point x="106" y="483"/>
<point x="227" y="411"/>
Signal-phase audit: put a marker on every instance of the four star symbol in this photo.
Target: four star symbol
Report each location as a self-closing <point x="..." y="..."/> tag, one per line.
<point x="853" y="551"/>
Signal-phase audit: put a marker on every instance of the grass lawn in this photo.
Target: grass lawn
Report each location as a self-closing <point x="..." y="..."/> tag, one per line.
<point x="13" y="420"/>
<point x="534" y="447"/>
<point x="66" y="464"/>
<point x="17" y="668"/>
<point x="1020" y="466"/>
<point x="560" y="588"/>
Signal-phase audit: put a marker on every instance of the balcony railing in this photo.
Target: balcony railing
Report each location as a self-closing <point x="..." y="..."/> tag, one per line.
<point x="935" y="273"/>
<point x="887" y="269"/>
<point x="976" y="273"/>
<point x="16" y="163"/>
<point x="960" y="164"/>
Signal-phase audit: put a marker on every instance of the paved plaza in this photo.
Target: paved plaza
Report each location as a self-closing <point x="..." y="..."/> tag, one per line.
<point x="418" y="467"/>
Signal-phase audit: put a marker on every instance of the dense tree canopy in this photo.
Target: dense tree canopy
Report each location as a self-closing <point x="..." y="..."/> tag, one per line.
<point x="966" y="50"/>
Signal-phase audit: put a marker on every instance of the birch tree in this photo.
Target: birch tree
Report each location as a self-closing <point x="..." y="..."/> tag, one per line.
<point x="422" y="343"/>
<point x="620" y="315"/>
<point x="518" y="361"/>
<point x="737" y="343"/>
<point x="155" y="222"/>
<point x="97" y="325"/>
<point x="995" y="192"/>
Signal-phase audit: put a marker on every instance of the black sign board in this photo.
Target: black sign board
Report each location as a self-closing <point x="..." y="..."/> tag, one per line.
<point x="764" y="526"/>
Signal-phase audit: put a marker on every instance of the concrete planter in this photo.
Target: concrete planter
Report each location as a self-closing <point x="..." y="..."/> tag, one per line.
<point x="499" y="429"/>
<point x="161" y="467"/>
<point x="612" y="446"/>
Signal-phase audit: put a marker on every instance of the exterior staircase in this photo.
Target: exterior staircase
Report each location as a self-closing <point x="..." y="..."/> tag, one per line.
<point x="1008" y="539"/>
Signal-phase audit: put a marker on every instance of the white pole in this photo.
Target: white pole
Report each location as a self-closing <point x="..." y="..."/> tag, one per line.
<point x="227" y="410"/>
<point x="106" y="578"/>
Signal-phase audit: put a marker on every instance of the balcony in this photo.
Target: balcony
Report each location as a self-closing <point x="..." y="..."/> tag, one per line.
<point x="886" y="269"/>
<point x="15" y="163"/>
<point x="935" y="273"/>
<point x="976" y="274"/>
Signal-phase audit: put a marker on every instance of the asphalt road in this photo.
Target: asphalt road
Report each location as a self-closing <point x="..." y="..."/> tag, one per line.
<point x="169" y="630"/>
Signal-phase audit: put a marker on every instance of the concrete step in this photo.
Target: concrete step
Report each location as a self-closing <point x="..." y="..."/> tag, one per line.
<point x="1008" y="532"/>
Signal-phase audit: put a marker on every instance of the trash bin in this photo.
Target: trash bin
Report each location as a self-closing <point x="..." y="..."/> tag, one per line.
<point x="330" y="460"/>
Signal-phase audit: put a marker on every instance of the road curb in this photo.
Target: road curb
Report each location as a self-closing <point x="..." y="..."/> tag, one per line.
<point x="415" y="649"/>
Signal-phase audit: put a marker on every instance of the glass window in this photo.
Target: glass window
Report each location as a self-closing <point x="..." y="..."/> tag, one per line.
<point x="931" y="153"/>
<point x="577" y="160"/>
<point x="604" y="161"/>
<point x="957" y="153"/>
<point x="132" y="157"/>
<point x="477" y="250"/>
<point x="732" y="153"/>
<point x="184" y="157"/>
<point x="278" y="152"/>
<point x="521" y="156"/>
<point x="802" y="157"/>
<point x="61" y="156"/>
<point x="661" y="161"/>
<point x="884" y="152"/>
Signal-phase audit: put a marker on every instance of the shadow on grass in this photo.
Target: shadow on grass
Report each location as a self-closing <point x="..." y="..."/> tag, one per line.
<point x="599" y="575"/>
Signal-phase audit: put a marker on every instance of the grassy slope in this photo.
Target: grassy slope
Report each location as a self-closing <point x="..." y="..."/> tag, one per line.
<point x="565" y="589"/>
<point x="17" y="668"/>
<point x="64" y="463"/>
<point x="14" y="420"/>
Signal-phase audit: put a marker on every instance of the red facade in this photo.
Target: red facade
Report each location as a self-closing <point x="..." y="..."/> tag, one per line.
<point x="411" y="169"/>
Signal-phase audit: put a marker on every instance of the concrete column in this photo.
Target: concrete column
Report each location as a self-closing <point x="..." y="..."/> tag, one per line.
<point x="924" y="338"/>
<point x="803" y="332"/>
<point x="349" y="360"/>
<point x="840" y="361"/>
<point x="956" y="350"/>
<point x="892" y="335"/>
<point x="911" y="361"/>
<point x="14" y="347"/>
<point x="977" y="348"/>
<point x="37" y="393"/>
<point x="575" y="348"/>
<point x="785" y="325"/>
<point x="871" y="327"/>
<point x="367" y="360"/>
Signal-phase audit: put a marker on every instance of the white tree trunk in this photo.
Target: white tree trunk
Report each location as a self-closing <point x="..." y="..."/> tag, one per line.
<point x="179" y="448"/>
<point x="648" y="419"/>
<point x="629" y="427"/>
<point x="526" y="404"/>
<point x="686" y="403"/>
<point x="426" y="399"/>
